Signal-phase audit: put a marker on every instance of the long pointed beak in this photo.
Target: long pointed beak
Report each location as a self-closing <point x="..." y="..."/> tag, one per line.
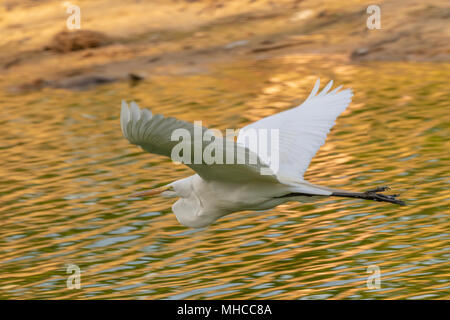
<point x="151" y="192"/>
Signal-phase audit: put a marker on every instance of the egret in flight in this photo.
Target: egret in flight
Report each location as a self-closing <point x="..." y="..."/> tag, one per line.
<point x="218" y="189"/>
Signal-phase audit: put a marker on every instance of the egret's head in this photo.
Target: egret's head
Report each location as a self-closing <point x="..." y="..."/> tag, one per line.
<point x="188" y="208"/>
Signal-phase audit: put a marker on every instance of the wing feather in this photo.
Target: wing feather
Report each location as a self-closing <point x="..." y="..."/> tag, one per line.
<point x="153" y="133"/>
<point x="302" y="130"/>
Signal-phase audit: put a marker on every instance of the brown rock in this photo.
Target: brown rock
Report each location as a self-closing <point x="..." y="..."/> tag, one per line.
<point x="66" y="41"/>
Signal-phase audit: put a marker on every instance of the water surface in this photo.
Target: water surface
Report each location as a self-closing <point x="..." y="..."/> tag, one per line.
<point x="66" y="173"/>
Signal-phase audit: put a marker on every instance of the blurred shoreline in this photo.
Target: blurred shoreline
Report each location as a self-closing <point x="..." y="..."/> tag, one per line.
<point x="135" y="40"/>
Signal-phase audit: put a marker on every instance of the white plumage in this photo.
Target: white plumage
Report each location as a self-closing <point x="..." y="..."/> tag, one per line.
<point x="219" y="189"/>
<point x="303" y="130"/>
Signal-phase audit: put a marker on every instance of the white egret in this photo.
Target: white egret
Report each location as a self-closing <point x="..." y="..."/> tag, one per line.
<point x="220" y="189"/>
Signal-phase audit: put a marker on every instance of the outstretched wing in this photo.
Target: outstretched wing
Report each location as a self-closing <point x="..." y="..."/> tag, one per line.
<point x="154" y="134"/>
<point x="301" y="131"/>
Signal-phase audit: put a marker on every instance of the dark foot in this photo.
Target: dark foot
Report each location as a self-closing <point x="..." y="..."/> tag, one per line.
<point x="371" y="195"/>
<point x="374" y="195"/>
